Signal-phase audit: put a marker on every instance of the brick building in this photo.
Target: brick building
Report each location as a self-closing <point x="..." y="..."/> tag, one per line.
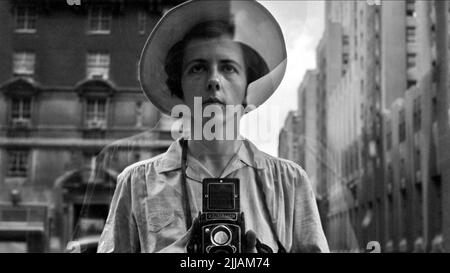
<point x="69" y="88"/>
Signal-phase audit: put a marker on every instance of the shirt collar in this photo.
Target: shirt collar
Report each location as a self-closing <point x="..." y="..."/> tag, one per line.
<point x="248" y="153"/>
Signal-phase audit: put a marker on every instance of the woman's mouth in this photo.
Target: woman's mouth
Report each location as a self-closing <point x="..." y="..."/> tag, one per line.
<point x="213" y="101"/>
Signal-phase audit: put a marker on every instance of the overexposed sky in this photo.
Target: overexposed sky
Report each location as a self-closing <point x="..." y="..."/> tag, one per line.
<point x="302" y="23"/>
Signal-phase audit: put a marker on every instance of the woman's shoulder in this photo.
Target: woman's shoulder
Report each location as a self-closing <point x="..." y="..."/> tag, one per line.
<point x="141" y="167"/>
<point x="286" y="170"/>
<point x="281" y="163"/>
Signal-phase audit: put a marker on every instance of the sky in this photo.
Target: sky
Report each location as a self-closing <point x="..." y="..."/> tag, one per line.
<point x="302" y="23"/>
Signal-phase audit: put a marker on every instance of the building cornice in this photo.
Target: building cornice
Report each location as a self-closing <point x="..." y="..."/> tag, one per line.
<point x="78" y="143"/>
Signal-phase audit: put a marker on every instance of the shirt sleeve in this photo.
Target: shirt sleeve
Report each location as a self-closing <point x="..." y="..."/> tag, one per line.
<point x="308" y="231"/>
<point x="120" y="233"/>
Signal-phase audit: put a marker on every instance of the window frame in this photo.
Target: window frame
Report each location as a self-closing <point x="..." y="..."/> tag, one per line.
<point x="410" y="8"/>
<point x="96" y="113"/>
<point x="104" y="15"/>
<point x="21" y="60"/>
<point x="142" y="22"/>
<point x="388" y="135"/>
<point x="21" y="108"/>
<point x="402" y="126"/>
<point x="411" y="33"/>
<point x="97" y="65"/>
<point x="21" y="158"/>
<point x="417" y="114"/>
<point x="28" y="18"/>
<point x="411" y="60"/>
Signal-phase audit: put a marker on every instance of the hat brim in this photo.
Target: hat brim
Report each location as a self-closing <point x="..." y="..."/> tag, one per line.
<point x="254" y="26"/>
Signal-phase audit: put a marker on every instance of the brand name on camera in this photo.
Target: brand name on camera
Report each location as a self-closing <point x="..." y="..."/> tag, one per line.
<point x="221" y="216"/>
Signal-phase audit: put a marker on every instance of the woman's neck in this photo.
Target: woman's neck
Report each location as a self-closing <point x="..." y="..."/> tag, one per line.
<point x="214" y="154"/>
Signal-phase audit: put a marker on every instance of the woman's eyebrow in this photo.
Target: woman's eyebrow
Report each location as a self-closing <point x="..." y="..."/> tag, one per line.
<point x="232" y="61"/>
<point x="198" y="60"/>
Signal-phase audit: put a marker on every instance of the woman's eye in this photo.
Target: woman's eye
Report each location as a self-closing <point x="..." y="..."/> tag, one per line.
<point x="197" y="68"/>
<point x="229" y="68"/>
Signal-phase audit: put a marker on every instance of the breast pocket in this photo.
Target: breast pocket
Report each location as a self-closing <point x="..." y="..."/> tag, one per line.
<point x="159" y="214"/>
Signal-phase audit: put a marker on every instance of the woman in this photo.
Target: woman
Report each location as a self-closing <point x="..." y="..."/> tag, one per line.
<point x="223" y="54"/>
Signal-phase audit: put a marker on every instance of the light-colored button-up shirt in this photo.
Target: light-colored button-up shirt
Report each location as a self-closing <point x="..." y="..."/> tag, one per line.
<point x="146" y="212"/>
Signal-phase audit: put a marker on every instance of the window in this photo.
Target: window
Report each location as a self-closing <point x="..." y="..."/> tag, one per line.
<point x="345" y="58"/>
<point x="96" y="109"/>
<point x="402" y="126"/>
<point x="404" y="212"/>
<point x="389" y="135"/>
<point x="418" y="213"/>
<point x="345" y="40"/>
<point x="17" y="163"/>
<point x="377" y="21"/>
<point x="141" y="21"/>
<point x="100" y="20"/>
<point x="410" y="83"/>
<point x="345" y="61"/>
<point x="402" y="172"/>
<point x="21" y="109"/>
<point x="411" y="8"/>
<point x="410" y="34"/>
<point x="390" y="219"/>
<point x="417" y="114"/>
<point x="390" y="174"/>
<point x="96" y="113"/>
<point x="25" y="16"/>
<point x="97" y="66"/>
<point x="23" y="63"/>
<point x="411" y="60"/>
<point x="417" y="166"/>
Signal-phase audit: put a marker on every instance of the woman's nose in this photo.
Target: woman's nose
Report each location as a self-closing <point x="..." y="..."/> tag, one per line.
<point x="213" y="84"/>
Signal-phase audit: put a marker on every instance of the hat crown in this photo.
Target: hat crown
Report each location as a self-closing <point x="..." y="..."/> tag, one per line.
<point x="254" y="27"/>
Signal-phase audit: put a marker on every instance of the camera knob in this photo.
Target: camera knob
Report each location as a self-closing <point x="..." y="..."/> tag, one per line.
<point x="221" y="237"/>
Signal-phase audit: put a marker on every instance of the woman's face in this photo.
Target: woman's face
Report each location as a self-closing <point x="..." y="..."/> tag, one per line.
<point x="214" y="69"/>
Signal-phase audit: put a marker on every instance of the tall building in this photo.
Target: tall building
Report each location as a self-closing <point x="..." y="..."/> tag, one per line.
<point x="415" y="123"/>
<point x="69" y="88"/>
<point x="340" y="58"/>
<point x="289" y="141"/>
<point x="308" y="121"/>
<point x="385" y="73"/>
<point x="313" y="153"/>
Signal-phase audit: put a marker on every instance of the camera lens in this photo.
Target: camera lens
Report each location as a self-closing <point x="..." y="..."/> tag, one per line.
<point x="221" y="235"/>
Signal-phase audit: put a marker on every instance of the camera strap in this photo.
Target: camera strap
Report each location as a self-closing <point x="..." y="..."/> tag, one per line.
<point x="187" y="204"/>
<point x="187" y="207"/>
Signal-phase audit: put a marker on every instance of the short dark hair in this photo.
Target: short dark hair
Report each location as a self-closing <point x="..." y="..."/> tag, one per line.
<point x="255" y="66"/>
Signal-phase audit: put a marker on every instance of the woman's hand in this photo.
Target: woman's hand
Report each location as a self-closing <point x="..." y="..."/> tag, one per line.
<point x="250" y="242"/>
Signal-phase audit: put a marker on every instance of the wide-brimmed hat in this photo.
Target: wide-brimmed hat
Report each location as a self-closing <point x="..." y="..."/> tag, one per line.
<point x="254" y="26"/>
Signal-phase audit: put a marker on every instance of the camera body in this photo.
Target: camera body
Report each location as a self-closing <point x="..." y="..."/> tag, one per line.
<point x="220" y="227"/>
